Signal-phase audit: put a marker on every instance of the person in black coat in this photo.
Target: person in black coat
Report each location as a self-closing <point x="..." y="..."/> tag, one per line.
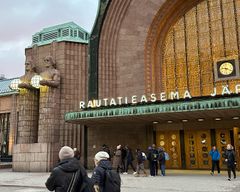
<point x="62" y="174"/>
<point x="153" y="156"/>
<point x="128" y="160"/>
<point x="102" y="164"/>
<point x="230" y="159"/>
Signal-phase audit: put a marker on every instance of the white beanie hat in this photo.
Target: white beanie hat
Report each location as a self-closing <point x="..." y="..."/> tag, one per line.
<point x="101" y="155"/>
<point x="66" y="153"/>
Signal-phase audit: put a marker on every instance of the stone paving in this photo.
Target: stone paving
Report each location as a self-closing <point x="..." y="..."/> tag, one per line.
<point x="175" y="181"/>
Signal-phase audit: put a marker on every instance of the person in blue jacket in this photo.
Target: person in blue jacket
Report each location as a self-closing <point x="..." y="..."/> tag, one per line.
<point x="215" y="155"/>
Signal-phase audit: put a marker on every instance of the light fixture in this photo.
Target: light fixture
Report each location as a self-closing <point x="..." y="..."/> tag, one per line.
<point x="155" y="122"/>
<point x="14" y="84"/>
<point x="35" y="81"/>
<point x="169" y="121"/>
<point x="235" y="118"/>
<point x="184" y="120"/>
<point x="200" y="119"/>
<point x="218" y="119"/>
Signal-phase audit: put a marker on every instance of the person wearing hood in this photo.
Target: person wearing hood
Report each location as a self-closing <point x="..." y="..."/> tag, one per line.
<point x="230" y="159"/>
<point x="98" y="177"/>
<point x="67" y="169"/>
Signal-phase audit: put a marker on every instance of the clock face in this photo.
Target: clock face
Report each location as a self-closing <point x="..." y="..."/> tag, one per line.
<point x="226" y="68"/>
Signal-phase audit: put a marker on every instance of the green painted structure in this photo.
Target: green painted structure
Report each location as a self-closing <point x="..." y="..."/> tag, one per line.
<point x="156" y="108"/>
<point x="5" y="87"/>
<point x="64" y="32"/>
<point x="93" y="50"/>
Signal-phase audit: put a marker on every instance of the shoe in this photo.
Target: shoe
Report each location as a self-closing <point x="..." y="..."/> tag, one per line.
<point x="235" y="177"/>
<point x="211" y="173"/>
<point x="229" y="179"/>
<point x="125" y="173"/>
<point x="134" y="173"/>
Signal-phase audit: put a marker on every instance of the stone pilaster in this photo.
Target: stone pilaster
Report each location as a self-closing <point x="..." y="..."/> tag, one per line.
<point x="49" y="111"/>
<point x="28" y="116"/>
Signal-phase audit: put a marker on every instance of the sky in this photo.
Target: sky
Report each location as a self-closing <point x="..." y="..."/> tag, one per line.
<point x="20" y="19"/>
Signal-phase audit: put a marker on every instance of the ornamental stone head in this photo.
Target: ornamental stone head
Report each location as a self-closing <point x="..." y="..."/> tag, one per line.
<point x="49" y="62"/>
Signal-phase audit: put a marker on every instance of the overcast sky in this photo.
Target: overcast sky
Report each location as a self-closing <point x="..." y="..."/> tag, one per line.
<point x="20" y="19"/>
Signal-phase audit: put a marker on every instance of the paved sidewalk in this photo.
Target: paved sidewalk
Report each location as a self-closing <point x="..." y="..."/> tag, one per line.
<point x="175" y="181"/>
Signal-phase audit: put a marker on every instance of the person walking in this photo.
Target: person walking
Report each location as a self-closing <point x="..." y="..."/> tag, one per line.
<point x="162" y="161"/>
<point x="141" y="157"/>
<point x="104" y="178"/>
<point x="128" y="160"/>
<point x="230" y="159"/>
<point x="106" y="149"/>
<point x="77" y="153"/>
<point x="68" y="169"/>
<point x="117" y="159"/>
<point x="153" y="160"/>
<point x="215" y="155"/>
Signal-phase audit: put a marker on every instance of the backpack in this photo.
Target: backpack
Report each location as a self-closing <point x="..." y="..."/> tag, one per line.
<point x="80" y="182"/>
<point x="144" y="157"/>
<point x="154" y="155"/>
<point x="166" y="156"/>
<point x="87" y="184"/>
<point x="112" y="181"/>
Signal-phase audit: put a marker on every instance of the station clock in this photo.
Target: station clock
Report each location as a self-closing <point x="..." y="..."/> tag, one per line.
<point x="226" y="69"/>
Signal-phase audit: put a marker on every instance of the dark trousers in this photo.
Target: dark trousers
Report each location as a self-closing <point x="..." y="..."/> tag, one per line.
<point x="215" y="163"/>
<point x="153" y="168"/>
<point x="127" y="163"/>
<point x="233" y="169"/>
<point x="162" y="168"/>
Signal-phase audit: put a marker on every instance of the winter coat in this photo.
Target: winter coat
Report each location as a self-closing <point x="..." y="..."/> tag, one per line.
<point x="129" y="155"/>
<point x="117" y="159"/>
<point x="98" y="176"/>
<point x="230" y="156"/>
<point x="139" y="156"/>
<point x="215" y="155"/>
<point x="61" y="175"/>
<point x="153" y="155"/>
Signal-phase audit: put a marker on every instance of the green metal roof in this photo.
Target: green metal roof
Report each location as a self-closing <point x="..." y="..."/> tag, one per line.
<point x="64" y="32"/>
<point x="4" y="87"/>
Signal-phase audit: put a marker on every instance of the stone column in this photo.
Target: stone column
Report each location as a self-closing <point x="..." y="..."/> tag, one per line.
<point x="28" y="116"/>
<point x="49" y="104"/>
<point x="28" y="107"/>
<point x="49" y="112"/>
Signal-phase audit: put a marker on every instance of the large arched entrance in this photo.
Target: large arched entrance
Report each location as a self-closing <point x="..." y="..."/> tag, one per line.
<point x="181" y="53"/>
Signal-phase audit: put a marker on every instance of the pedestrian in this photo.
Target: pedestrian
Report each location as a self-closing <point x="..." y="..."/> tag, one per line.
<point x="128" y="160"/>
<point x="162" y="161"/>
<point x="67" y="169"/>
<point x="124" y="153"/>
<point x="106" y="149"/>
<point x="230" y="159"/>
<point x="103" y="177"/>
<point x="76" y="153"/>
<point x="153" y="160"/>
<point x="117" y="159"/>
<point x="141" y="157"/>
<point x="215" y="155"/>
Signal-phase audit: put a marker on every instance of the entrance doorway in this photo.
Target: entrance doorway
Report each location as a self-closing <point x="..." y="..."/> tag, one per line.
<point x="197" y="147"/>
<point x="170" y="141"/>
